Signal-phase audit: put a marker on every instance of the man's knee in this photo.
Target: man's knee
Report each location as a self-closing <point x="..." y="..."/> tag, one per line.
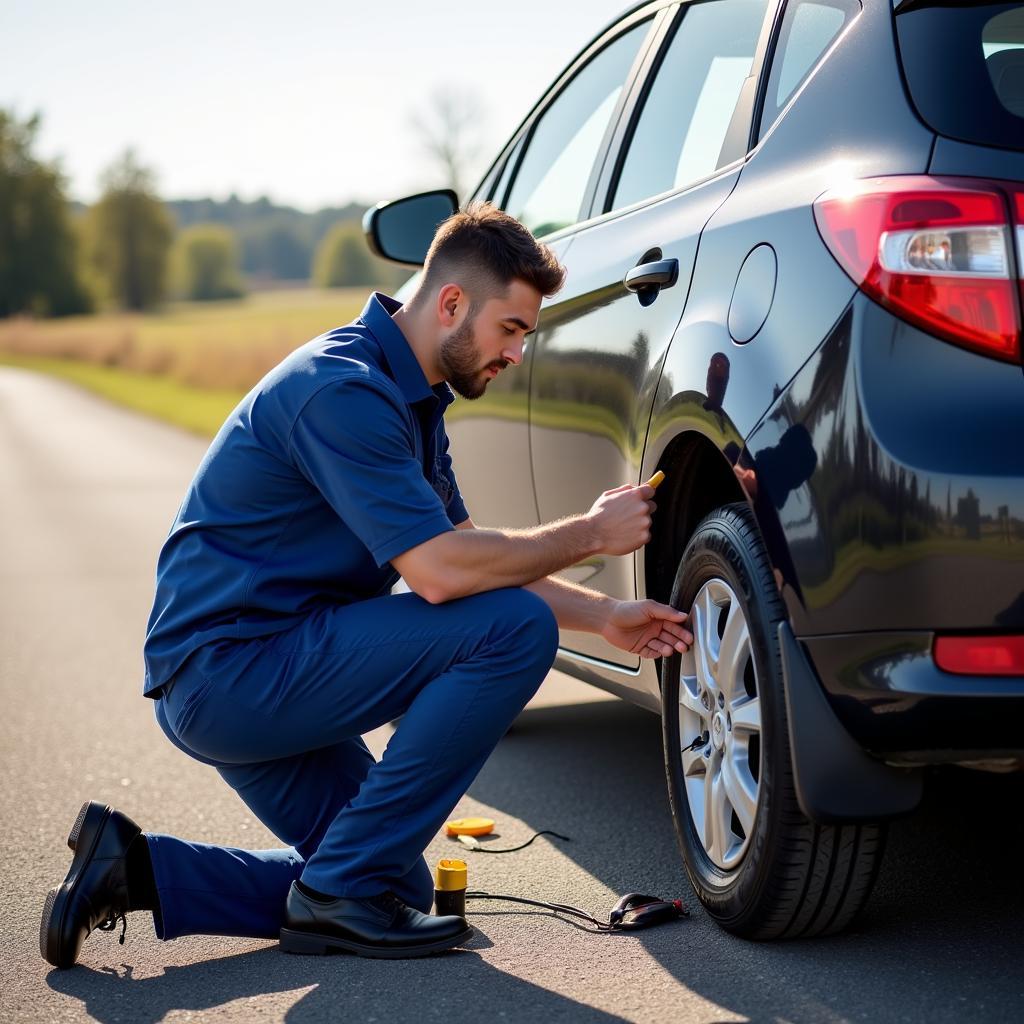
<point x="524" y="625"/>
<point x="541" y="625"/>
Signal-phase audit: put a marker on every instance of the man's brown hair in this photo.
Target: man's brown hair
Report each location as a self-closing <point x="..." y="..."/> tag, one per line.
<point x="486" y="249"/>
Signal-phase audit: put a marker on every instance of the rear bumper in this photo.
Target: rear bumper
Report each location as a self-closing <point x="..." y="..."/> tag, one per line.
<point x="887" y="699"/>
<point x="892" y="698"/>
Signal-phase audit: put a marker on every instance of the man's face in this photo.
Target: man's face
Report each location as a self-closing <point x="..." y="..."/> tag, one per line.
<point x="476" y="351"/>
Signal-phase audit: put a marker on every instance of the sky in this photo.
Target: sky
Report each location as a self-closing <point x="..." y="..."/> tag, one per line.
<point x="309" y="102"/>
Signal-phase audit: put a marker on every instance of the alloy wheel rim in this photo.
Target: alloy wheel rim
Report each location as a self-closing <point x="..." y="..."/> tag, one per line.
<point x="719" y="703"/>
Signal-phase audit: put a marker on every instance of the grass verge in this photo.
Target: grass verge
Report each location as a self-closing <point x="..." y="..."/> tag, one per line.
<point x="199" y="410"/>
<point x="205" y="345"/>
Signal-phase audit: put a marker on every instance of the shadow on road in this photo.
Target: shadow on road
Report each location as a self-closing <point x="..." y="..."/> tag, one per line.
<point x="340" y="988"/>
<point x="941" y="938"/>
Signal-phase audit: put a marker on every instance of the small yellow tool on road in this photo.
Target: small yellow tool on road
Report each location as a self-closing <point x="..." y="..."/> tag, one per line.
<point x="656" y="479"/>
<point x="469" y="827"/>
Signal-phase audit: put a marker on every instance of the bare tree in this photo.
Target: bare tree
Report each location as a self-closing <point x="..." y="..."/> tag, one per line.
<point x="449" y="129"/>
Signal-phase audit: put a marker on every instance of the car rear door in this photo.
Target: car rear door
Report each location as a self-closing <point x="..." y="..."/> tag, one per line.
<point x="597" y="357"/>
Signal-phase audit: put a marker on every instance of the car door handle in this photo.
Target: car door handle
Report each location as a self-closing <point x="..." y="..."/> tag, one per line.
<point x="652" y="276"/>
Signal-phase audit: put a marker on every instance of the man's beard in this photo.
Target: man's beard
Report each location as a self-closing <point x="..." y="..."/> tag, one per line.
<point x="460" y="362"/>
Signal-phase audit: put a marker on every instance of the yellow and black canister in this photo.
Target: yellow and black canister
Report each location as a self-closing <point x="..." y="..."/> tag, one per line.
<point x="450" y="881"/>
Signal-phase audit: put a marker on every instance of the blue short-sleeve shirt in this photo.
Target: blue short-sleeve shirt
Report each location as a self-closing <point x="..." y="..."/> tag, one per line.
<point x="335" y="463"/>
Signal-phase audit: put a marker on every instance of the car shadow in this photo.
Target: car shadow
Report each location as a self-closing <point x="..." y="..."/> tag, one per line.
<point x="941" y="938"/>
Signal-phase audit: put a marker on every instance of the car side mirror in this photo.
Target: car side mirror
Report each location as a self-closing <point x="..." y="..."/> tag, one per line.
<point x="403" y="230"/>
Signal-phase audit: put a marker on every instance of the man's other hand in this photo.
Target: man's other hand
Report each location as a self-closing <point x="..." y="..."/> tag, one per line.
<point x="621" y="519"/>
<point x="647" y="628"/>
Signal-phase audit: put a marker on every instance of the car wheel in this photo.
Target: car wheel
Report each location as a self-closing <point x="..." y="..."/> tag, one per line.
<point x="758" y="866"/>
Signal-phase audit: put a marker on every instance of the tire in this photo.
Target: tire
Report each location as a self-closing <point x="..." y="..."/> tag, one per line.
<point x="758" y="866"/>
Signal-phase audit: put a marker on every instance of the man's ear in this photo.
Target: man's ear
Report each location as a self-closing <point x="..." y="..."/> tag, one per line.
<point x="451" y="303"/>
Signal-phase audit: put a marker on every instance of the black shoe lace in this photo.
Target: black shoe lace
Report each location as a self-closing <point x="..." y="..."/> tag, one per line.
<point x="111" y="923"/>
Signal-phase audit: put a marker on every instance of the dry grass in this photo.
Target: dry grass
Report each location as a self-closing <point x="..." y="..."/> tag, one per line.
<point x="224" y="346"/>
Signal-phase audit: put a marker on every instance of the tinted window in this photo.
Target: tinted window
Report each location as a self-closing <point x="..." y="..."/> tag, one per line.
<point x="551" y="181"/>
<point x="1002" y="40"/>
<point x="683" y="123"/>
<point x="964" y="63"/>
<point x="808" y="30"/>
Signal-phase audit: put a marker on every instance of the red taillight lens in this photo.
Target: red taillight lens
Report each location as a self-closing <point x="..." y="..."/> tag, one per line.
<point x="935" y="251"/>
<point x="980" y="655"/>
<point x="1018" y="220"/>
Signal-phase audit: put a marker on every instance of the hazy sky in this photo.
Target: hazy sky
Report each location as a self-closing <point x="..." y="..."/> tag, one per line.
<point x="306" y="101"/>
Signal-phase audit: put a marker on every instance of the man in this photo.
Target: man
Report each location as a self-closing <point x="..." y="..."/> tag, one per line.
<point x="274" y="642"/>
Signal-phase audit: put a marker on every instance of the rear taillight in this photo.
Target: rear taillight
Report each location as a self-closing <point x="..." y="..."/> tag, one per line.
<point x="980" y="655"/>
<point x="1018" y="220"/>
<point x="937" y="252"/>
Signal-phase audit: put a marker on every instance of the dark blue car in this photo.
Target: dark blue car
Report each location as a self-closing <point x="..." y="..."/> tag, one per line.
<point x="794" y="232"/>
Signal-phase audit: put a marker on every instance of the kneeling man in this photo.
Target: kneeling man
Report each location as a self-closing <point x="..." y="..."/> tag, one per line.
<point x="274" y="642"/>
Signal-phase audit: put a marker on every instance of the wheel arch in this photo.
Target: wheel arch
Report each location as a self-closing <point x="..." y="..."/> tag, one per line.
<point x="698" y="479"/>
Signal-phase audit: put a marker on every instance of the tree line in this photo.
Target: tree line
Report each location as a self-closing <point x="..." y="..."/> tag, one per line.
<point x="133" y="251"/>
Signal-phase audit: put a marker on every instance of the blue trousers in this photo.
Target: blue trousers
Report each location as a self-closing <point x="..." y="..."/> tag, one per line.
<point x="280" y="718"/>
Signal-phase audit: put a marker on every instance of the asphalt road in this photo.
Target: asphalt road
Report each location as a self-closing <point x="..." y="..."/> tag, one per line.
<point x="86" y="494"/>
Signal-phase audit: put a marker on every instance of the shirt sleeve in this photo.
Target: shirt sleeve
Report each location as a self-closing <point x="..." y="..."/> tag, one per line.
<point x="353" y="441"/>
<point x="456" y="507"/>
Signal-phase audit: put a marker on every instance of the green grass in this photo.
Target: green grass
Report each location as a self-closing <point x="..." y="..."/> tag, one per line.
<point x="199" y="410"/>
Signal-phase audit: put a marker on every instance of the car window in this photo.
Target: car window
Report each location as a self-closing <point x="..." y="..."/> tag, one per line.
<point x="1002" y="42"/>
<point x="552" y="177"/>
<point x="807" y="31"/>
<point x="983" y="102"/>
<point x="685" y="117"/>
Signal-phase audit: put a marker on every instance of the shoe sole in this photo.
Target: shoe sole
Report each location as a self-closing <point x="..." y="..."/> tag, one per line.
<point x="311" y="944"/>
<point x="82" y="840"/>
<point x="76" y="829"/>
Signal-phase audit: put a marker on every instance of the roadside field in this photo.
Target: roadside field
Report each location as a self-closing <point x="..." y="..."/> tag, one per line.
<point x="190" y="363"/>
<point x="211" y="345"/>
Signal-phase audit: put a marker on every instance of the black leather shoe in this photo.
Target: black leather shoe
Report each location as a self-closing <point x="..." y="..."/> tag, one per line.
<point x="375" y="926"/>
<point x="95" y="892"/>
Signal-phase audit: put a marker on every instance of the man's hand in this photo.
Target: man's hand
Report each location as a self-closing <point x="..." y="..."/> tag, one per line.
<point x="647" y="628"/>
<point x="621" y="519"/>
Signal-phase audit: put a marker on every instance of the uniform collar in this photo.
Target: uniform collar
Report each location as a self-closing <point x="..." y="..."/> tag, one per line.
<point x="408" y="374"/>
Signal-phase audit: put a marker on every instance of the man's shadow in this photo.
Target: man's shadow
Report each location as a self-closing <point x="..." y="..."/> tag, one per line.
<point x="458" y="985"/>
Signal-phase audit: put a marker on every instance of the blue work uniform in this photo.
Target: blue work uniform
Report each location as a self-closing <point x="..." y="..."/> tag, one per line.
<point x="274" y="642"/>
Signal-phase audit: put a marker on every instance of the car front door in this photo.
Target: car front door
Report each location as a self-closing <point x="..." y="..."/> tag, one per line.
<point x="597" y="355"/>
<point x="549" y="172"/>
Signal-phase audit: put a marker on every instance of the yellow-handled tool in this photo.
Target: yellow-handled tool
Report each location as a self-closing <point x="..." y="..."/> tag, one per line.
<point x="656" y="479"/>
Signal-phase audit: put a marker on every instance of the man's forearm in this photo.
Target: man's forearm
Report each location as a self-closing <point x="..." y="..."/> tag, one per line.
<point x="575" y="607"/>
<point x="469" y="561"/>
<point x="476" y="560"/>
